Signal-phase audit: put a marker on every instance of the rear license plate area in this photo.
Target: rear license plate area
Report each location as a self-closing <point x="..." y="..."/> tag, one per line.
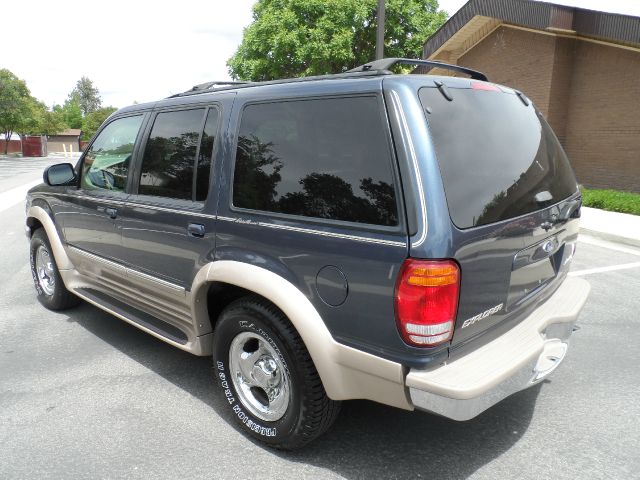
<point x="533" y="268"/>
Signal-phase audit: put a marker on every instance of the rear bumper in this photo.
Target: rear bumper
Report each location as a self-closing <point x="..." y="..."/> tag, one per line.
<point x="520" y="358"/>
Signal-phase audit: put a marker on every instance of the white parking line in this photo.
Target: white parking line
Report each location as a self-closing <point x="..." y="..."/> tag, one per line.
<point x="611" y="268"/>
<point x="16" y="195"/>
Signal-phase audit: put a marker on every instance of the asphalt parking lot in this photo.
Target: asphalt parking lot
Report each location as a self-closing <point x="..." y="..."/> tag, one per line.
<point x="85" y="395"/>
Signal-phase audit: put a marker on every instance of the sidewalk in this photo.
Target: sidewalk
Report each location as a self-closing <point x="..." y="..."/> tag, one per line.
<point x="612" y="226"/>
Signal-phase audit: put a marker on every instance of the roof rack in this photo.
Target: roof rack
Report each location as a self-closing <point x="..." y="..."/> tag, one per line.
<point x="372" y="69"/>
<point x="386" y="63"/>
<point x="211" y="86"/>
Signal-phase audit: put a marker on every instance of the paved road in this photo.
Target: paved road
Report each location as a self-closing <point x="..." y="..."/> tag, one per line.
<point x="19" y="171"/>
<point x="12" y="167"/>
<point x="84" y="395"/>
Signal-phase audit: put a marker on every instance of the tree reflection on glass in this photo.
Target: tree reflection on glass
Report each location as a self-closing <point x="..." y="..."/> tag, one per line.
<point x="168" y="166"/>
<point x="323" y="195"/>
<point x="257" y="173"/>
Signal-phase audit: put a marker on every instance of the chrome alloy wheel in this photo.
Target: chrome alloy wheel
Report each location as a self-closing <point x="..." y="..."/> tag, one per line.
<point x="259" y="376"/>
<point x="45" y="270"/>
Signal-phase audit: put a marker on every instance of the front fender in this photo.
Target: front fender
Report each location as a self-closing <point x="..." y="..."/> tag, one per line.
<point x="59" y="253"/>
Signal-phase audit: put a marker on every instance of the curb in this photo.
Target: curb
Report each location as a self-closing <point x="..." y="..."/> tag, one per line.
<point x="622" y="228"/>
<point x="633" y="242"/>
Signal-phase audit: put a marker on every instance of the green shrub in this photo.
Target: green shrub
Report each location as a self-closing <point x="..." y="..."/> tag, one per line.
<point x="612" y="200"/>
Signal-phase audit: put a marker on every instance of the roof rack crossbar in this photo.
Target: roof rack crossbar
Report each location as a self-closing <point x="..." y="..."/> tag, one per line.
<point x="387" y="63"/>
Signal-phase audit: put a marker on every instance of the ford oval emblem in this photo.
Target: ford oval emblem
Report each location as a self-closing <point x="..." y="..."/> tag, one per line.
<point x="548" y="246"/>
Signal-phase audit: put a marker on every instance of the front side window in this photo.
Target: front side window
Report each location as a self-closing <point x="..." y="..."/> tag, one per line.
<point x="324" y="158"/>
<point x="170" y="154"/>
<point x="106" y="163"/>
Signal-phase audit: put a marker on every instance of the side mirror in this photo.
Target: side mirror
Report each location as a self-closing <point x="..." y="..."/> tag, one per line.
<point x="59" y="174"/>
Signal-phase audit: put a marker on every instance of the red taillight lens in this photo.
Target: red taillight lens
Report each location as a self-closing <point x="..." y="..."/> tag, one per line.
<point x="427" y="301"/>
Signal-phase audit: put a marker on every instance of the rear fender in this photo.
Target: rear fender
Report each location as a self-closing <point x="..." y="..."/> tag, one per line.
<point x="346" y="373"/>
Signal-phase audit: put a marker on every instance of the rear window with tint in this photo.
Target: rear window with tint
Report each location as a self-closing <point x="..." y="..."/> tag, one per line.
<point x="499" y="159"/>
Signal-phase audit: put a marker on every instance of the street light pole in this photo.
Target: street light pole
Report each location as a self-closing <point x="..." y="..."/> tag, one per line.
<point x="380" y="31"/>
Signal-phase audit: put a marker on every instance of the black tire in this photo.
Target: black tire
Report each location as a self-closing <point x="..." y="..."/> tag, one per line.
<point x="309" y="412"/>
<point x="58" y="298"/>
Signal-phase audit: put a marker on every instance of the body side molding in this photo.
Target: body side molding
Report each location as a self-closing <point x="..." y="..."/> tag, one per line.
<point x="346" y="373"/>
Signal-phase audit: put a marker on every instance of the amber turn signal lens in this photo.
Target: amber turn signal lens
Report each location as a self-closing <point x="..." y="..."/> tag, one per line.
<point x="433" y="275"/>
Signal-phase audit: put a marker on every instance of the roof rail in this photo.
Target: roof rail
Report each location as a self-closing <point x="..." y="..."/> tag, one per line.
<point x="371" y="69"/>
<point x="208" y="86"/>
<point x="387" y="63"/>
<point x="230" y="85"/>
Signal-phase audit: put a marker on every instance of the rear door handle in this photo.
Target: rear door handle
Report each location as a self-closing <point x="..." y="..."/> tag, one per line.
<point x="112" y="212"/>
<point x="196" y="230"/>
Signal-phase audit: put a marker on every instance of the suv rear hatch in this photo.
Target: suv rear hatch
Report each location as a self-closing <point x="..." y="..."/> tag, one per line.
<point x="512" y="198"/>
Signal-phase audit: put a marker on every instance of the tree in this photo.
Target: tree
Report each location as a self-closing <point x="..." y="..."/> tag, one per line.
<point x="92" y="121"/>
<point x="291" y="38"/>
<point x="16" y="105"/>
<point x="33" y="118"/>
<point x="86" y="95"/>
<point x="71" y="112"/>
<point x="52" y="123"/>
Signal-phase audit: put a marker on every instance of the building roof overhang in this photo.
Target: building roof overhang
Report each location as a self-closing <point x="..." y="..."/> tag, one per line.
<point x="478" y="18"/>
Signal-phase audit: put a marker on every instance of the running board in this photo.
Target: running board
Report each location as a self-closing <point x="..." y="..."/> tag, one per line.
<point x="133" y="315"/>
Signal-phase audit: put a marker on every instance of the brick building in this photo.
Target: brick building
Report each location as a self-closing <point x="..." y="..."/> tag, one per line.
<point x="580" y="67"/>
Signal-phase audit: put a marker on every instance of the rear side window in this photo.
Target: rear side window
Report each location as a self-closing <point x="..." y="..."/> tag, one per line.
<point x="324" y="158"/>
<point x="499" y="158"/>
<point x="177" y="157"/>
<point x="169" y="157"/>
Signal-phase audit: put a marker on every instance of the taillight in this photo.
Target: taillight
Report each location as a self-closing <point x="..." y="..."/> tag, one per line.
<point x="427" y="301"/>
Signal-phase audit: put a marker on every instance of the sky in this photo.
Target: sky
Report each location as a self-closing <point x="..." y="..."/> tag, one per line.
<point x="141" y="50"/>
<point x="132" y="50"/>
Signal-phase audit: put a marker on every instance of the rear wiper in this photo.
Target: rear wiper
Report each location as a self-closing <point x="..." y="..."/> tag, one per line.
<point x="443" y="90"/>
<point x="523" y="98"/>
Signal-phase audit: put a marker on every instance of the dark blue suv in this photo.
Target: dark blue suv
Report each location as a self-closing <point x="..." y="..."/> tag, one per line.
<point x="399" y="238"/>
